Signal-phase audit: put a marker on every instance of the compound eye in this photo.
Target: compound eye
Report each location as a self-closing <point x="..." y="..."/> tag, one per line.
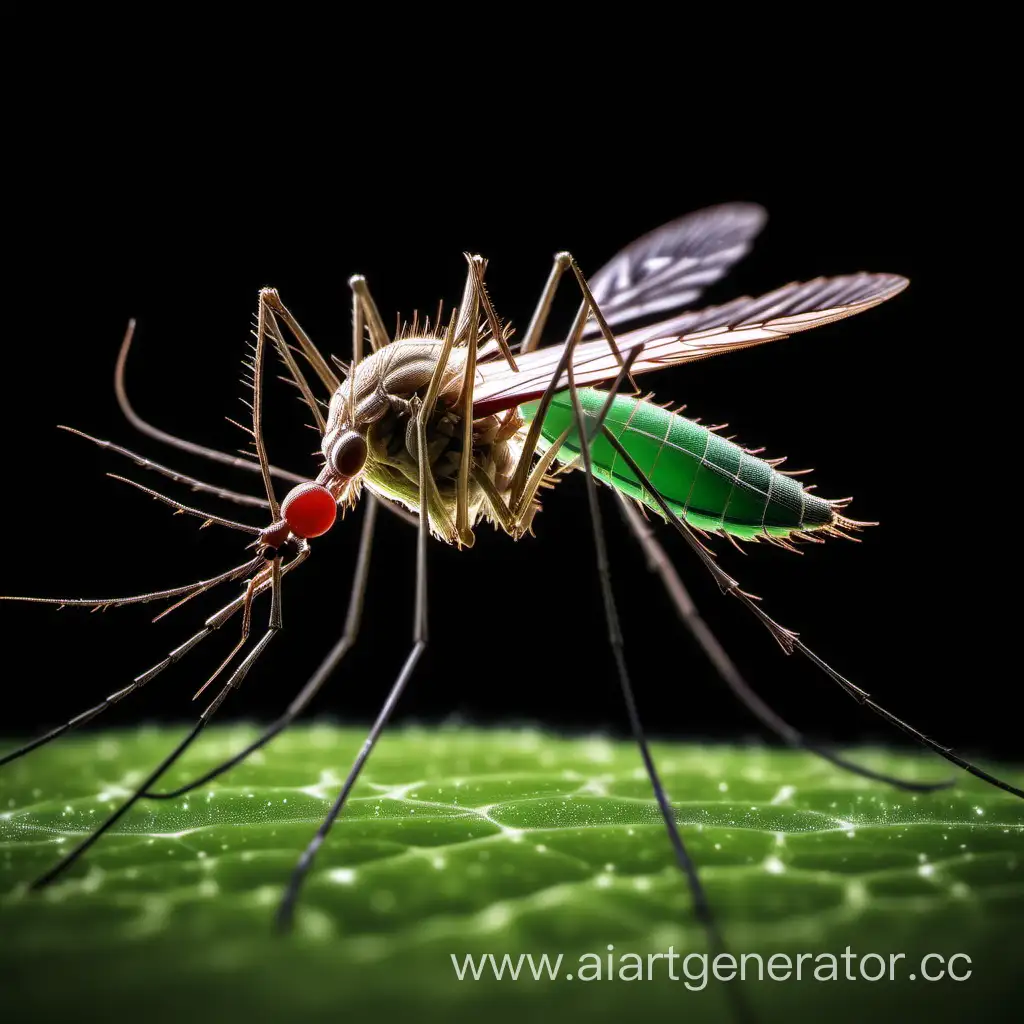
<point x="309" y="510"/>
<point x="348" y="456"/>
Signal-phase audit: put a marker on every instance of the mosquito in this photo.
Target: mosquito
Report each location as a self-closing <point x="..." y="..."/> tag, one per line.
<point x="450" y="426"/>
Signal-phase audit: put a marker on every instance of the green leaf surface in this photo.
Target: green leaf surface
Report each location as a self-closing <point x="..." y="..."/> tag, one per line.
<point x="461" y="842"/>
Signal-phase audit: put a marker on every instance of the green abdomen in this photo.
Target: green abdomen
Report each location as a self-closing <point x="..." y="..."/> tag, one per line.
<point x="711" y="482"/>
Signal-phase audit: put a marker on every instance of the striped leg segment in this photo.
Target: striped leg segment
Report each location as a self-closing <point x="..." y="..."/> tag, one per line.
<point x="788" y="640"/>
<point x="659" y="562"/>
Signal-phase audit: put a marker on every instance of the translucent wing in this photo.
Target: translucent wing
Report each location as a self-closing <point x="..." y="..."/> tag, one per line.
<point x="671" y="266"/>
<point x="695" y="335"/>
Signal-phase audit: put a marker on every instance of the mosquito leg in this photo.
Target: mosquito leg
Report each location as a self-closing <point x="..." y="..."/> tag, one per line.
<point x="479" y="264"/>
<point x="207" y="517"/>
<point x="595" y="309"/>
<point x="588" y="306"/>
<point x="564" y="261"/>
<point x="272" y="301"/>
<point x="214" y="622"/>
<point x="120" y="602"/>
<point x="617" y="643"/>
<point x="790" y="641"/>
<point x="68" y="859"/>
<point x="274" y="626"/>
<point x="472" y="294"/>
<point x="701" y="906"/>
<point x="85" y="716"/>
<point x="262" y="318"/>
<point x="431" y="504"/>
<point x="365" y="316"/>
<point x="540" y="315"/>
<point x="317" y="680"/>
<point x="296" y="376"/>
<point x="358" y="333"/>
<point x="555" y="385"/>
<point x="378" y="332"/>
<point x="264" y="325"/>
<point x="224" y="458"/>
<point x="515" y="518"/>
<point x="188" y="591"/>
<point x="180" y="478"/>
<point x="250" y="592"/>
<point x="233" y="683"/>
<point x="658" y="562"/>
<point x="286" y="909"/>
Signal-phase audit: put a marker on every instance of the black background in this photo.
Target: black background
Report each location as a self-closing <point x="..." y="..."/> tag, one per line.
<point x="179" y="225"/>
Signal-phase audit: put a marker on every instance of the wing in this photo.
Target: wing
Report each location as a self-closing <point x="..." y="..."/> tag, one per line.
<point x="671" y="266"/>
<point x="696" y="335"/>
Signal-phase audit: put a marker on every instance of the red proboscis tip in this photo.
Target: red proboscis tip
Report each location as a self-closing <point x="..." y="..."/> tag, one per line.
<point x="309" y="510"/>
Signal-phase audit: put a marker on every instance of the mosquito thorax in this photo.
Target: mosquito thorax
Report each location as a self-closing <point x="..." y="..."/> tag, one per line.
<point x="389" y="379"/>
<point x="380" y="405"/>
<point x="370" y="415"/>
